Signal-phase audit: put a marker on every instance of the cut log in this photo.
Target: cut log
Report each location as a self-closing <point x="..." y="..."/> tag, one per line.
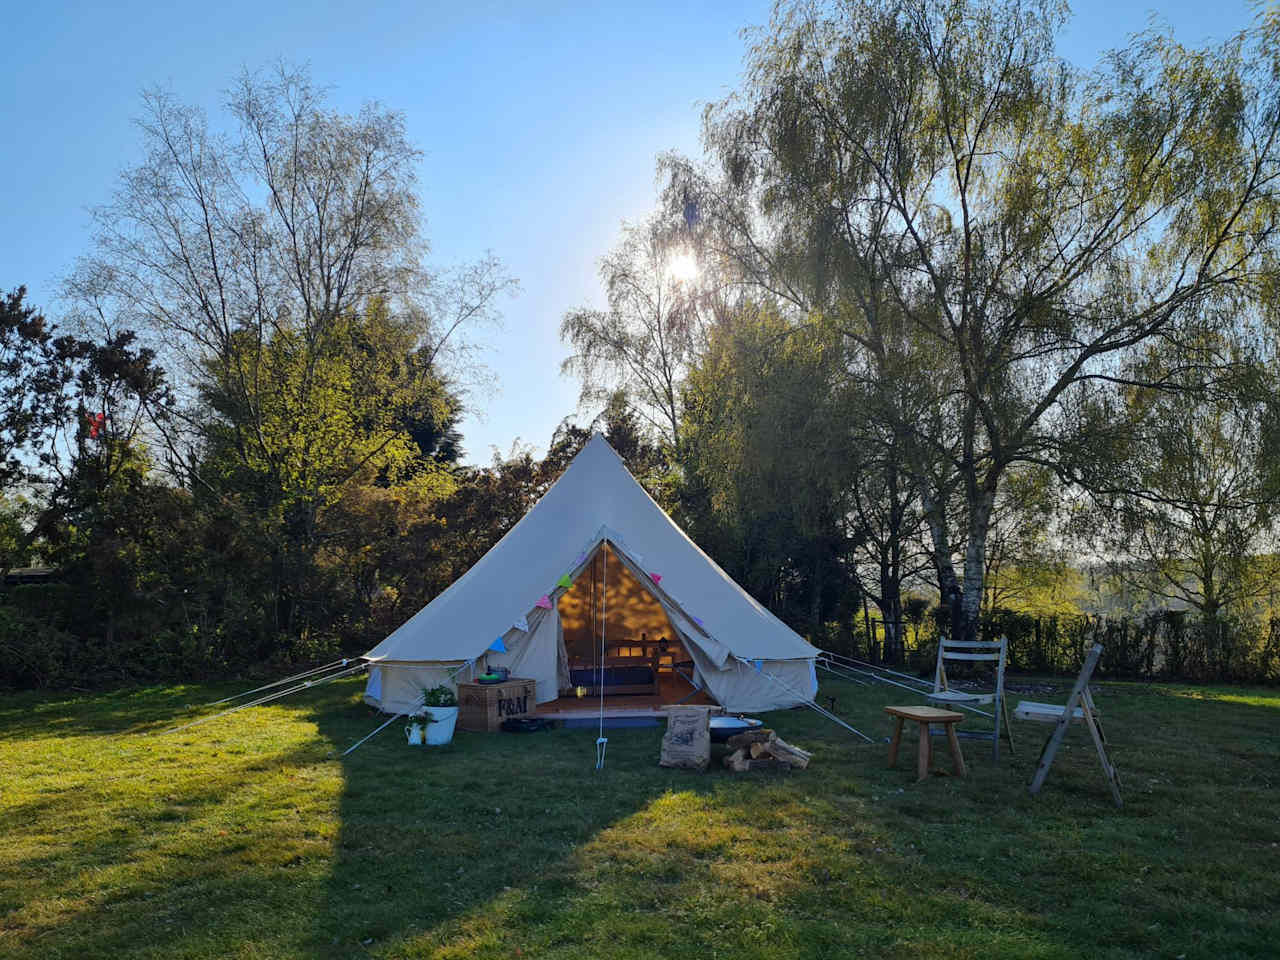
<point x="768" y="763"/>
<point x="737" y="761"/>
<point x="788" y="754"/>
<point x="749" y="737"/>
<point x="759" y="748"/>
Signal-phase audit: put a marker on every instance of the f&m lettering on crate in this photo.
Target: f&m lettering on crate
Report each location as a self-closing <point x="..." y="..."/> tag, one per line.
<point x="483" y="706"/>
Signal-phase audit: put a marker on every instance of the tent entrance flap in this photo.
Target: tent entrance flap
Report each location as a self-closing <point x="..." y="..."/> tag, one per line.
<point x="618" y="637"/>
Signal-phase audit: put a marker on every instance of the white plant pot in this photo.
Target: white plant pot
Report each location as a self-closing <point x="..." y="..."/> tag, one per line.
<point x="440" y="730"/>
<point x="413" y="733"/>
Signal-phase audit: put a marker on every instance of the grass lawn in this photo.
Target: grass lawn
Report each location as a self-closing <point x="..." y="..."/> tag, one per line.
<point x="246" y="837"/>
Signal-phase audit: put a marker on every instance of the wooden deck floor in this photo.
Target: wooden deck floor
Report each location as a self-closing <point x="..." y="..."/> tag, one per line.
<point x="671" y="690"/>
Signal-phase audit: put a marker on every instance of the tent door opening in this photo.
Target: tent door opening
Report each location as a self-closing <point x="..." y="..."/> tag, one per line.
<point x="642" y="658"/>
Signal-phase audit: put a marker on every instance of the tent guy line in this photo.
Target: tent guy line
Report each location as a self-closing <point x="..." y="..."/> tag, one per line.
<point x="305" y="685"/>
<point x="297" y="676"/>
<point x="810" y="703"/>
<point x="370" y="736"/>
<point x="828" y="662"/>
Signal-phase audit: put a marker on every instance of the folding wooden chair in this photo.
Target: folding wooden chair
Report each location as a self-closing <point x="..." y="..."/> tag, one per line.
<point x="1079" y="706"/>
<point x="944" y="695"/>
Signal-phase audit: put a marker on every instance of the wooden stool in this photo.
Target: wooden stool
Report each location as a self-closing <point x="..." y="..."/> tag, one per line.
<point x="925" y="716"/>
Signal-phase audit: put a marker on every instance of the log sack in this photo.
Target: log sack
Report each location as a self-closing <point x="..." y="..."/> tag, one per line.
<point x="687" y="742"/>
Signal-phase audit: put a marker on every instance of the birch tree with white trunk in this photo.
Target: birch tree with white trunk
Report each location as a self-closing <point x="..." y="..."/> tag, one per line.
<point x="1035" y="225"/>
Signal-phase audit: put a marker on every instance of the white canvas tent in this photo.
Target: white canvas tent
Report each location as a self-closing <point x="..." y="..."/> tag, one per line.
<point x="744" y="657"/>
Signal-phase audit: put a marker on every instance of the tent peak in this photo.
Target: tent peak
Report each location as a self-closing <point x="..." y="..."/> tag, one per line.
<point x="598" y="442"/>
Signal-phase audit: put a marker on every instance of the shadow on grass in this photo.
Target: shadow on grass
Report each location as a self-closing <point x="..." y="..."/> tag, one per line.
<point x="433" y="836"/>
<point x="250" y="837"/>
<point x="33" y="716"/>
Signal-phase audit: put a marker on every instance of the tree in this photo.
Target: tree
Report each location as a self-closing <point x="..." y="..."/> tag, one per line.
<point x="1034" y="226"/>
<point x="644" y="343"/>
<point x="885" y="493"/>
<point x="36" y="370"/>
<point x="71" y="409"/>
<point x="281" y="272"/>
<point x="1188" y="509"/>
<point x="767" y="462"/>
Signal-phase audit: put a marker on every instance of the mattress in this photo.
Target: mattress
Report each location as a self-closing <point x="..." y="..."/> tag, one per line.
<point x="613" y="677"/>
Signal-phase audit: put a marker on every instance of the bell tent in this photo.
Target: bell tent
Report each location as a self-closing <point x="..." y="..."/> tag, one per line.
<point x="597" y="590"/>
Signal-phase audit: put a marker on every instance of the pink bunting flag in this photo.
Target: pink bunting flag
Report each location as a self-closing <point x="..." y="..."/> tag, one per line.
<point x="544" y="602"/>
<point x="655" y="577"/>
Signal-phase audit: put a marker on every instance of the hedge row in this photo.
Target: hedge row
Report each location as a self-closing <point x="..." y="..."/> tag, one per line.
<point x="1166" y="645"/>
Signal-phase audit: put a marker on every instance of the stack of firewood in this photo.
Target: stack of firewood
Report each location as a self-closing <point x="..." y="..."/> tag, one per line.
<point x="763" y="750"/>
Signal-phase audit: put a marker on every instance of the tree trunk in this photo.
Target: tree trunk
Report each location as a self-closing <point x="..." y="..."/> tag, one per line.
<point x="815" y="592"/>
<point x="975" y="560"/>
<point x="871" y="637"/>
<point x="941" y="543"/>
<point x="891" y="607"/>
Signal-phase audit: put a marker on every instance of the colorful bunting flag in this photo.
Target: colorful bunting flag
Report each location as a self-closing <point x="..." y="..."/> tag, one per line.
<point x="522" y="624"/>
<point x="582" y="558"/>
<point x="544" y="602"/>
<point x="655" y="577"/>
<point x="698" y="621"/>
<point x="498" y="646"/>
<point x="759" y="664"/>
<point x="564" y="582"/>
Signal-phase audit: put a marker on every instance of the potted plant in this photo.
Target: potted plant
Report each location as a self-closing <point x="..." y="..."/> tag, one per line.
<point x="440" y="705"/>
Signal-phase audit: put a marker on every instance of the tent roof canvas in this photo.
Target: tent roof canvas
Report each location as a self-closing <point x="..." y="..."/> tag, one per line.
<point x="595" y="498"/>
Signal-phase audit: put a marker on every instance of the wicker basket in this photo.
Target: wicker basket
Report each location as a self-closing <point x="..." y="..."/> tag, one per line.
<point x="483" y="706"/>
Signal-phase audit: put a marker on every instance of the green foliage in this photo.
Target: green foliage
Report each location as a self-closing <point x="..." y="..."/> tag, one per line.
<point x="440" y="696"/>
<point x="342" y="406"/>
<point x="36" y="370"/>
<point x="767" y="463"/>
<point x="1187" y="510"/>
<point x="34" y="653"/>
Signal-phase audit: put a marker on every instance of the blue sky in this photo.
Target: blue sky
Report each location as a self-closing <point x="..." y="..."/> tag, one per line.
<point x="540" y="124"/>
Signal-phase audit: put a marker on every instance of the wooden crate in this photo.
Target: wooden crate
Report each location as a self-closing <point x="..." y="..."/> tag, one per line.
<point x="483" y="706"/>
